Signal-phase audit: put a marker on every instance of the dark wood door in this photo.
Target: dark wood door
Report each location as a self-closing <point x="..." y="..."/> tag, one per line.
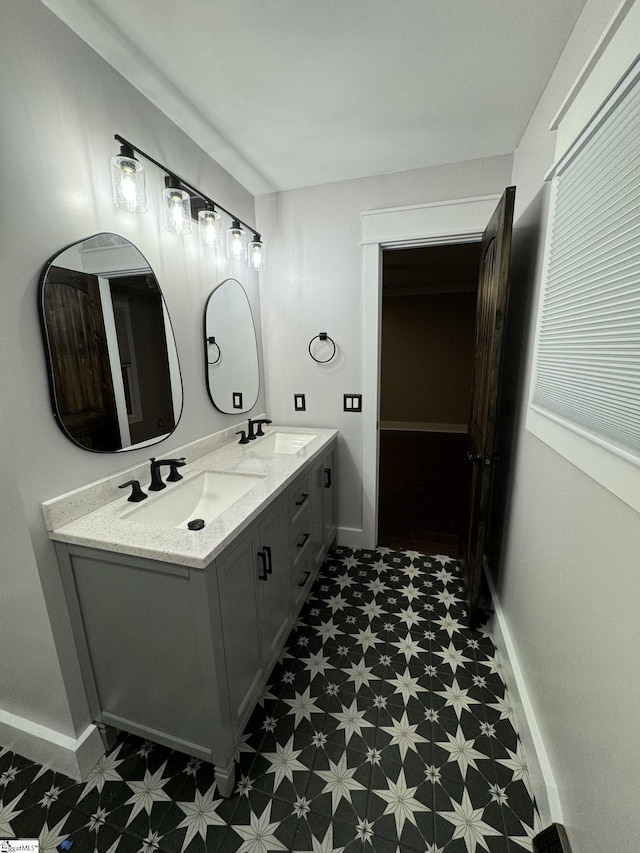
<point x="482" y="450"/>
<point x="85" y="402"/>
<point x="144" y="355"/>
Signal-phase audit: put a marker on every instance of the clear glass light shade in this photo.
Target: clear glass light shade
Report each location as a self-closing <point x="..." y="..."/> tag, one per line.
<point x="128" y="183"/>
<point x="256" y="256"/>
<point x="209" y="223"/>
<point x="177" y="210"/>
<point x="236" y="242"/>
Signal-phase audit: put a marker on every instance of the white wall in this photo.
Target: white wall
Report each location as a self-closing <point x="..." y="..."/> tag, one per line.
<point x="61" y="106"/>
<point x="23" y="611"/>
<point x="568" y="583"/>
<point x="314" y="283"/>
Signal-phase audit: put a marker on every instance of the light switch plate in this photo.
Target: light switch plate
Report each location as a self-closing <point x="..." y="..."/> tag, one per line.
<point x="353" y="402"/>
<point x="299" y="402"/>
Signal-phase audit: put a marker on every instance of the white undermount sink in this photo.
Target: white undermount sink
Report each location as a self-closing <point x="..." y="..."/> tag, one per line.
<point x="205" y="496"/>
<point x="284" y="442"/>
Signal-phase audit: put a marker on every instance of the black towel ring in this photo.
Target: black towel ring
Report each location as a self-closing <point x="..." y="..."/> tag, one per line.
<point x="322" y="336"/>
<point x="212" y="341"/>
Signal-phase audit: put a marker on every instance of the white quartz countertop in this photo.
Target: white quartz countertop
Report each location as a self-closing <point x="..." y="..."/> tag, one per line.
<point x="110" y="528"/>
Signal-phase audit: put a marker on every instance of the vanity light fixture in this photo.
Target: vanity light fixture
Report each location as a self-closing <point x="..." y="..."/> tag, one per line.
<point x="256" y="253"/>
<point x="177" y="206"/>
<point x="128" y="182"/>
<point x="236" y="242"/>
<point x="181" y="203"/>
<point x="209" y="222"/>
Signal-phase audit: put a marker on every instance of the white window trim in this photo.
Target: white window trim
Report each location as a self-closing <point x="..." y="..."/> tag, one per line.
<point x="610" y="466"/>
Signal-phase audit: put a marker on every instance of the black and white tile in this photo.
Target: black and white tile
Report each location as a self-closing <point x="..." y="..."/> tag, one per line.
<point x="385" y="727"/>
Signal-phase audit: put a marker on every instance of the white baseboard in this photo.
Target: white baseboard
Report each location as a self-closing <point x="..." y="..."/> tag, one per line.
<point x="74" y="757"/>
<point x="542" y="781"/>
<point x="353" y="537"/>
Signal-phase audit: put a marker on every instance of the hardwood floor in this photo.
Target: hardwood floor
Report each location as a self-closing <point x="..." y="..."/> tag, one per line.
<point x="421" y="490"/>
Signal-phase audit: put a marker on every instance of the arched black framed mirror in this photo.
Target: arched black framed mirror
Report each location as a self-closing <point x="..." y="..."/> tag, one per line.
<point x="231" y="349"/>
<point x="111" y="355"/>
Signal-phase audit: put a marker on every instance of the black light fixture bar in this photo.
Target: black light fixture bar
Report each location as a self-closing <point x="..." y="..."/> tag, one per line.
<point x="185" y="184"/>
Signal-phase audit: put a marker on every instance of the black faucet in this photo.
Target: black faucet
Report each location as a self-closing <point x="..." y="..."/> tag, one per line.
<point x="258" y="433"/>
<point x="156" y="477"/>
<point x="174" y="476"/>
<point x="137" y="494"/>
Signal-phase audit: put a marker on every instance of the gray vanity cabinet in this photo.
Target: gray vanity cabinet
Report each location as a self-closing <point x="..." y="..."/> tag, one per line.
<point x="137" y="641"/>
<point x="151" y="645"/>
<point x="181" y="655"/>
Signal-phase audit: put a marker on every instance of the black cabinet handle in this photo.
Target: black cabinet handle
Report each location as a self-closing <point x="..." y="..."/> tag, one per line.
<point x="327" y="478"/>
<point x="262" y="556"/>
<point x="267" y="550"/>
<point x="303" y="541"/>
<point x="303" y="498"/>
<point x="305" y="579"/>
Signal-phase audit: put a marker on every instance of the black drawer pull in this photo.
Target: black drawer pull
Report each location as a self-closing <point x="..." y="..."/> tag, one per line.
<point x="305" y="579"/>
<point x="302" y="499"/>
<point x="267" y="550"/>
<point x="303" y="541"/>
<point x="327" y="478"/>
<point x="262" y="556"/>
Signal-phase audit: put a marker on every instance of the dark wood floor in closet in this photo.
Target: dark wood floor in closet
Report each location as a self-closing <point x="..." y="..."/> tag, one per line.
<point x="421" y="490"/>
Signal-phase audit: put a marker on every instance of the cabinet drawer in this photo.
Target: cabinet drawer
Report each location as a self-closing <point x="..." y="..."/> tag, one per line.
<point x="299" y="497"/>
<point x="301" y="579"/>
<point x="301" y="535"/>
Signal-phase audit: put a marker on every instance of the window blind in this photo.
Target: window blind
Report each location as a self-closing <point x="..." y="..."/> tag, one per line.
<point x="588" y="346"/>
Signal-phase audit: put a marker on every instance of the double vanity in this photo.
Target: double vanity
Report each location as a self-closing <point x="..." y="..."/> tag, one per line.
<point x="177" y="624"/>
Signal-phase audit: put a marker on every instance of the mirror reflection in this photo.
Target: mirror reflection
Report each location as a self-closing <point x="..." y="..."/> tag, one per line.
<point x="113" y="366"/>
<point x="231" y="349"/>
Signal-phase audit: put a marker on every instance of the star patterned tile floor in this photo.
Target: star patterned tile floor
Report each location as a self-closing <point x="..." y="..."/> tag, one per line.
<point x="385" y="727"/>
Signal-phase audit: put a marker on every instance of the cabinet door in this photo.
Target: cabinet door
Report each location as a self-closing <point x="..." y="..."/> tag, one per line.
<point x="301" y="581"/>
<point x="272" y="574"/>
<point x="237" y="588"/>
<point x="323" y="493"/>
<point x="317" y="536"/>
<point x="329" y="514"/>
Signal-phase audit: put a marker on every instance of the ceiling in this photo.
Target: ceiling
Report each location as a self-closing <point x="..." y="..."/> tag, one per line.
<point x="291" y="93"/>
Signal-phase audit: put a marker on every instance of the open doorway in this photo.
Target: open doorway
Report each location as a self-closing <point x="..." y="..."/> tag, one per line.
<point x="428" y="338"/>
